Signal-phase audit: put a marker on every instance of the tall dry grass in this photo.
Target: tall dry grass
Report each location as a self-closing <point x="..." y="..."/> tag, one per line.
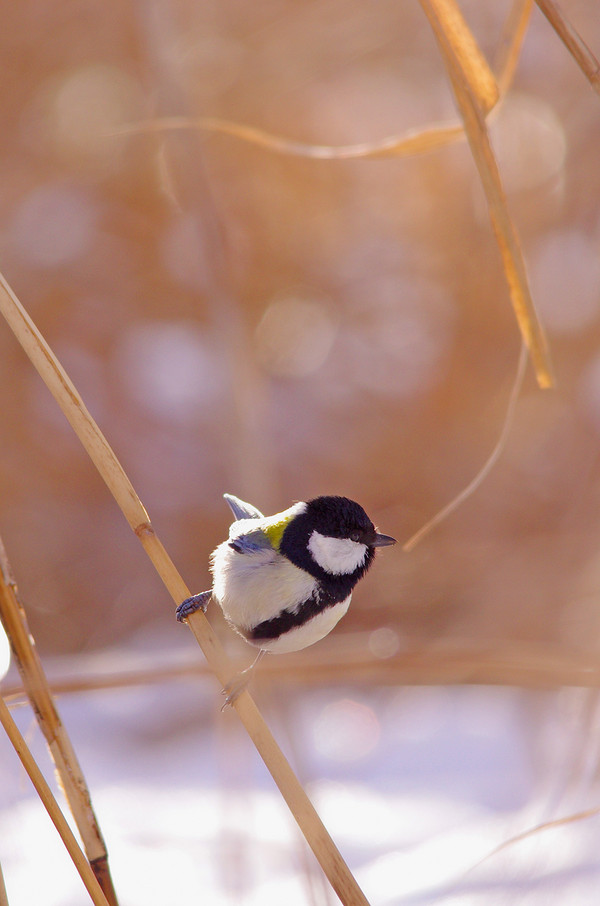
<point x="477" y="90"/>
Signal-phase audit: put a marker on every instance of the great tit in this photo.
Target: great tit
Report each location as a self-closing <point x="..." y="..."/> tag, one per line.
<point x="284" y="581"/>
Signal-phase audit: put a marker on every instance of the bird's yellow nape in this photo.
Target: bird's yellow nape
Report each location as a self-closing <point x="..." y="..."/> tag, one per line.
<point x="274" y="530"/>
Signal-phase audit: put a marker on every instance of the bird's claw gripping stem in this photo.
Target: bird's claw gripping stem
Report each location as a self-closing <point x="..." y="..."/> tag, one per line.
<point x="191" y="605"/>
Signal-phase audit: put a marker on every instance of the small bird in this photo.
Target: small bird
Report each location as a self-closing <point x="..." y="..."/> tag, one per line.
<point x="284" y="581"/>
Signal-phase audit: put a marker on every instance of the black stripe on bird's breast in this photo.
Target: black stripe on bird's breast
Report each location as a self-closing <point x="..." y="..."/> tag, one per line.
<point x="288" y="619"/>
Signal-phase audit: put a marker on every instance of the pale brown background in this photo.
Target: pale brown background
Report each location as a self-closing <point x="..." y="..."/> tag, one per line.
<point x="242" y="321"/>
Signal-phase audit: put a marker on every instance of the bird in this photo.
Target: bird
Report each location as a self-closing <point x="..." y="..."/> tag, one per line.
<point x="284" y="581"/>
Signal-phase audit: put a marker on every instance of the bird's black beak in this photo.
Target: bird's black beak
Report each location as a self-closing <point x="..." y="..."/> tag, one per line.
<point x="382" y="541"/>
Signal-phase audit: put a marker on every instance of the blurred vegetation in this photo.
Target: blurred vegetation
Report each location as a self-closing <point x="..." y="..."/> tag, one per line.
<point x="238" y="320"/>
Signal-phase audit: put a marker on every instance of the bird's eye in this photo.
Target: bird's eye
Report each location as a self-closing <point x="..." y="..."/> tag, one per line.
<point x="355" y="536"/>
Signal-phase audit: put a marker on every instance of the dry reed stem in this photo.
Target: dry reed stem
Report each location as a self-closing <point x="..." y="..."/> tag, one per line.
<point x="525" y="665"/>
<point x="61" y="750"/>
<point x="487" y="466"/>
<point x="96" y="445"/>
<point x="534" y="831"/>
<point x="58" y="819"/>
<point x="504" y="229"/>
<point x="509" y="51"/>
<point x="3" y="894"/>
<point x="573" y="41"/>
<point x="415" y="141"/>
<point x="477" y="74"/>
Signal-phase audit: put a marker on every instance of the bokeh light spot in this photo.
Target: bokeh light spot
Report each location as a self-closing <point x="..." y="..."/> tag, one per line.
<point x="399" y="337"/>
<point x="346" y="730"/>
<point x="53" y="225"/>
<point x="529" y="142"/>
<point x="183" y="252"/>
<point x="294" y="336"/>
<point x="565" y="276"/>
<point x="384" y="643"/>
<point x="89" y="105"/>
<point x="170" y="370"/>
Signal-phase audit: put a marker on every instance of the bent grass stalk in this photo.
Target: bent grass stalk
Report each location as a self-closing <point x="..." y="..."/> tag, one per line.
<point x="61" y="750"/>
<point x="415" y="141"/>
<point x="488" y="465"/>
<point x="58" y="819"/>
<point x="477" y="92"/>
<point x="98" y="448"/>
<point x="490" y="89"/>
<point x="489" y="174"/>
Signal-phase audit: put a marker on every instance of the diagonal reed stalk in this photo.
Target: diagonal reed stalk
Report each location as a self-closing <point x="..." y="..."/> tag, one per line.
<point x="58" y="819"/>
<point x="573" y="41"/>
<point x="96" y="445"/>
<point x="469" y="58"/>
<point x="63" y="755"/>
<point x="509" y="51"/>
<point x="3" y="894"/>
<point x="485" y="161"/>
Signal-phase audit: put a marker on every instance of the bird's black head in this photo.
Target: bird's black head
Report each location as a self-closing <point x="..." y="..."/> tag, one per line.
<point x="333" y="540"/>
<point x="339" y="517"/>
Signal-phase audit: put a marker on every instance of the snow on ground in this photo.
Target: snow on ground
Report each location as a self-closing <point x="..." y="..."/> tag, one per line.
<point x="416" y="786"/>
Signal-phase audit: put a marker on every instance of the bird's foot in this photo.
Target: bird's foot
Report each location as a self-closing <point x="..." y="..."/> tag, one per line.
<point x="234" y="689"/>
<point x="191" y="605"/>
<point x="240" y="683"/>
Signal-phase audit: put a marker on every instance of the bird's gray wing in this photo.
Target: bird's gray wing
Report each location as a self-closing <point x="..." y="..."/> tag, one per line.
<point x="242" y="510"/>
<point x="246" y="541"/>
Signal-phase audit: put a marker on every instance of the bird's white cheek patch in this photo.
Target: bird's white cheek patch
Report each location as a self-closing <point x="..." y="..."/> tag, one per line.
<point x="338" y="556"/>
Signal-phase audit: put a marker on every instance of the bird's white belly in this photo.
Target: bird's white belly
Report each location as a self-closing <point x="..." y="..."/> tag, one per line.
<point x="257" y="586"/>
